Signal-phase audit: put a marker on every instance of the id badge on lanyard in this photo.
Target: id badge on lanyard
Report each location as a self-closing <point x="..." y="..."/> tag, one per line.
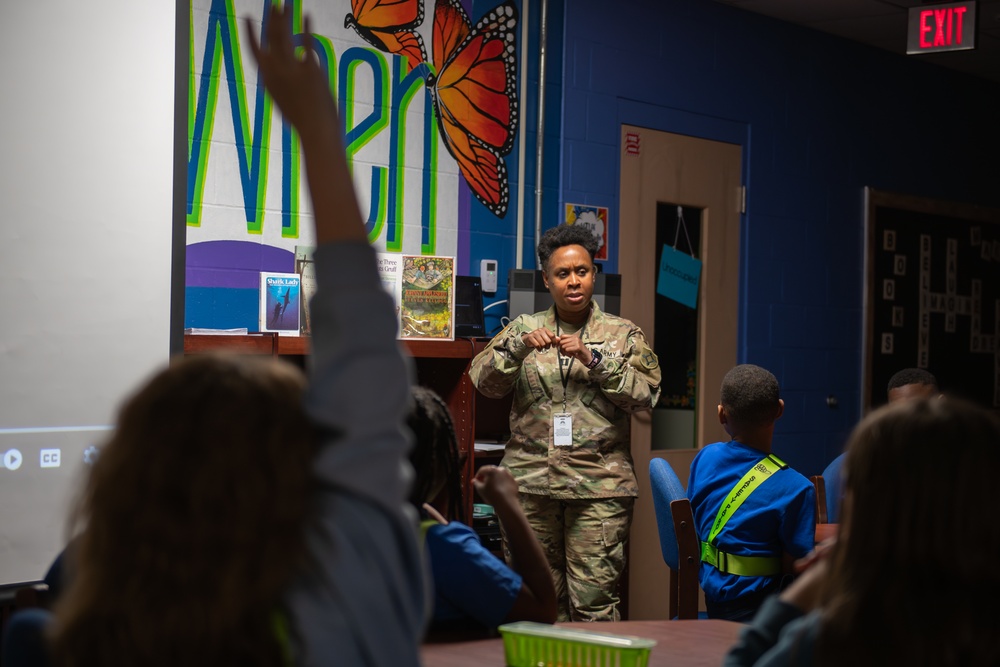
<point x="562" y="429"/>
<point x="562" y="422"/>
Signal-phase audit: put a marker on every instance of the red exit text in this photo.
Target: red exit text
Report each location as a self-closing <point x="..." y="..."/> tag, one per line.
<point x="950" y="27"/>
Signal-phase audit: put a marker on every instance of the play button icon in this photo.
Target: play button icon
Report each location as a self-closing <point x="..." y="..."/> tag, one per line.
<point x="12" y="459"/>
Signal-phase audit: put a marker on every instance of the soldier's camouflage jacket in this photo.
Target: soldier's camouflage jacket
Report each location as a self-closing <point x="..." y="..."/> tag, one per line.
<point x="599" y="463"/>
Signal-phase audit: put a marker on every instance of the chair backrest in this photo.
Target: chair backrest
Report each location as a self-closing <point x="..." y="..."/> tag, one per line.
<point x="820" y="485"/>
<point x="834" y="488"/>
<point x="667" y="488"/>
<point x="678" y="538"/>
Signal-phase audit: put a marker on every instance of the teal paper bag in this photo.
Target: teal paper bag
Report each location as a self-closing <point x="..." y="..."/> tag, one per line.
<point x="679" y="276"/>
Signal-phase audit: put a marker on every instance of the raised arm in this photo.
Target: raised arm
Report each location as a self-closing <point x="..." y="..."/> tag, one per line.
<point x="537" y="599"/>
<point x="362" y="600"/>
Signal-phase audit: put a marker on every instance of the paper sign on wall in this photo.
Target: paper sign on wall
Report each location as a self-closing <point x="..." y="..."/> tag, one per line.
<point x="679" y="276"/>
<point x="594" y="218"/>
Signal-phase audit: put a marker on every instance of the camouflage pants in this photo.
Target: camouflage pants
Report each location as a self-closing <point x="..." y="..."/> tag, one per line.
<point x="584" y="542"/>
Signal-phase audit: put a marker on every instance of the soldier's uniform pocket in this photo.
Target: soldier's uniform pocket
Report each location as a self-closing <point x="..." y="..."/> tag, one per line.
<point x="595" y="401"/>
<point x="533" y="380"/>
<point x="616" y="524"/>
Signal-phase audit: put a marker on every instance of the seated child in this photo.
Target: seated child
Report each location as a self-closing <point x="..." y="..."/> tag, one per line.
<point x="903" y="584"/>
<point x="750" y="509"/>
<point x="473" y="589"/>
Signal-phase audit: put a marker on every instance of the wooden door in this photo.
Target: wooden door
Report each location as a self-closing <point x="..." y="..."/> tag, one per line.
<point x="659" y="172"/>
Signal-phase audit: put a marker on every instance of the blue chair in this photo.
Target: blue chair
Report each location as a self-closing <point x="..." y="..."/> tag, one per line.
<point x="678" y="539"/>
<point x="834" y="488"/>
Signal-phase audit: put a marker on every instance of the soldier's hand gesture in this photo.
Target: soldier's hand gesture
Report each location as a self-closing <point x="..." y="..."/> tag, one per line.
<point x="540" y="339"/>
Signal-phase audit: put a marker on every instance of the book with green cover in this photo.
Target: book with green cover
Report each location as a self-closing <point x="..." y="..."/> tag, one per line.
<point x="427" y="298"/>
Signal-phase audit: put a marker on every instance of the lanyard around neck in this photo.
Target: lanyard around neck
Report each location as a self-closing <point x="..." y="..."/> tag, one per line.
<point x="565" y="376"/>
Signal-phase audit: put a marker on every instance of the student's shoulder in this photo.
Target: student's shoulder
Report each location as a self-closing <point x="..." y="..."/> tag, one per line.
<point x="710" y="458"/>
<point x="455" y="547"/>
<point x="793" y="479"/>
<point x="453" y="534"/>
<point x="709" y="450"/>
<point x="726" y="450"/>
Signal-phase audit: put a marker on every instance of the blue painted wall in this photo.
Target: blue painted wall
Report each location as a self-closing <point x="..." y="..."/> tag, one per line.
<point x="497" y="239"/>
<point x="819" y="118"/>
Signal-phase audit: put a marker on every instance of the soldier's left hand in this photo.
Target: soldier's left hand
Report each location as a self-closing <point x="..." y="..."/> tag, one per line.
<point x="572" y="346"/>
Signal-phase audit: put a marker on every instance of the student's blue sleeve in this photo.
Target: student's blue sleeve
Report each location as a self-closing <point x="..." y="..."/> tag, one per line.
<point x="469" y="581"/>
<point x="798" y="529"/>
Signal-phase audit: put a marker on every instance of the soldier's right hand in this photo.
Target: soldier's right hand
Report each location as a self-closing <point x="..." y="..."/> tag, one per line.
<point x="540" y="339"/>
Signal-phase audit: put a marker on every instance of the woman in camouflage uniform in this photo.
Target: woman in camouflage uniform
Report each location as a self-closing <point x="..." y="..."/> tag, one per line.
<point x="577" y="374"/>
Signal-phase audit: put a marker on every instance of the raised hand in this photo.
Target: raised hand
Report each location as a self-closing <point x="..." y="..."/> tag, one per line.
<point x="495" y="485"/>
<point x="297" y="84"/>
<point x="301" y="90"/>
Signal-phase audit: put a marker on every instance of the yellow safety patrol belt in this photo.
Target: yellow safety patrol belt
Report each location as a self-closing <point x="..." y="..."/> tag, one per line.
<point x="743" y="566"/>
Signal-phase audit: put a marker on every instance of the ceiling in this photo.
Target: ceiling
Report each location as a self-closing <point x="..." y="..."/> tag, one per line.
<point x="883" y="24"/>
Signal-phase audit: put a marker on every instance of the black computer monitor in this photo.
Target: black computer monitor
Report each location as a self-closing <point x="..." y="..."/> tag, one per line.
<point x="469" y="320"/>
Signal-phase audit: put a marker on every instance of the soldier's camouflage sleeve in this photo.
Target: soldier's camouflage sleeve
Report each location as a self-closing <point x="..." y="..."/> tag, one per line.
<point x="495" y="370"/>
<point x="630" y="380"/>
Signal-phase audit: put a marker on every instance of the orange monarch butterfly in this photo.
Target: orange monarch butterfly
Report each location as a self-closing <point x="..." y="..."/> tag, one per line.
<point x="390" y="26"/>
<point x="474" y="95"/>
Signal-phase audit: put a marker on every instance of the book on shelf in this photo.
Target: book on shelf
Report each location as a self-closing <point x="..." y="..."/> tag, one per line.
<point x="280" y="295"/>
<point x="306" y="268"/>
<point x="201" y="331"/>
<point x="427" y="298"/>
<point x="390" y="272"/>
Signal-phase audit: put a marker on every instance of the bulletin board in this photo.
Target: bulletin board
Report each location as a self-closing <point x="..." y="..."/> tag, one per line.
<point x="932" y="295"/>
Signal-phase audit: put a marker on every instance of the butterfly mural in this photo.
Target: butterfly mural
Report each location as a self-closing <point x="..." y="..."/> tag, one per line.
<point x="472" y="84"/>
<point x="390" y="26"/>
<point x="474" y="95"/>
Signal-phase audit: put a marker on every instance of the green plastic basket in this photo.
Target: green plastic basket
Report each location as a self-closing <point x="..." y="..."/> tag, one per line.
<point x="529" y="644"/>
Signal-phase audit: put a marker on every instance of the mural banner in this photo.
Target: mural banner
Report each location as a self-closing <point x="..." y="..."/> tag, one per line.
<point x="429" y="113"/>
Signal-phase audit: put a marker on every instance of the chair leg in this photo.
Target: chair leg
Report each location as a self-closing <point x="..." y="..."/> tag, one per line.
<point x="688" y="605"/>
<point x="674" y="591"/>
<point x="689" y="550"/>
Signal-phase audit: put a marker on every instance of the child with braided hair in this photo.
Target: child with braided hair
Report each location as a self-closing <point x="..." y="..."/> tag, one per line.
<point x="473" y="589"/>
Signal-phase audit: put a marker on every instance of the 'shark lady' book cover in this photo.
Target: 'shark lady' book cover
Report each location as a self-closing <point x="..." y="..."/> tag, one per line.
<point x="280" y="302"/>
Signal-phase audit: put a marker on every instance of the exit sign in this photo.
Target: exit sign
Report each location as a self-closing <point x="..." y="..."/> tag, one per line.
<point x="934" y="28"/>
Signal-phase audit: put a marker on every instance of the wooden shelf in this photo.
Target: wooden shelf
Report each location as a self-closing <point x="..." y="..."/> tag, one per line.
<point x="271" y="343"/>
<point x="248" y="344"/>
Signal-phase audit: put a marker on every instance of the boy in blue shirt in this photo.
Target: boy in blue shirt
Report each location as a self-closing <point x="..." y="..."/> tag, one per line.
<point x="751" y="511"/>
